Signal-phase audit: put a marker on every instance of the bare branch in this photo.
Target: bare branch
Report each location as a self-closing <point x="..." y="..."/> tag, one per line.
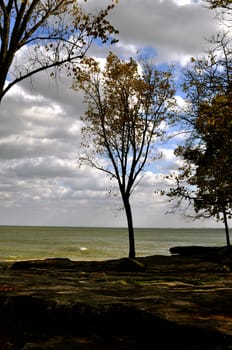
<point x="62" y="27"/>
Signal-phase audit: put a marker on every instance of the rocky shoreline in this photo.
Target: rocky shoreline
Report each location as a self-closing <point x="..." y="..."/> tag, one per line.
<point x="182" y="301"/>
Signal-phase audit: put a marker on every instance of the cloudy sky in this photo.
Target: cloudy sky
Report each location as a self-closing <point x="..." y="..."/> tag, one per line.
<point x="40" y="181"/>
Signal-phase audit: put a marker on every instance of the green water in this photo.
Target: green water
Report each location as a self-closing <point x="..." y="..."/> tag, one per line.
<point x="83" y="243"/>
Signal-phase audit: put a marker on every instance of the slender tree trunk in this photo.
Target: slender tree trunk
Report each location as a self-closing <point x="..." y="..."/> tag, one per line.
<point x="130" y="227"/>
<point x="1" y="89"/>
<point x="3" y="75"/>
<point x="226" y="228"/>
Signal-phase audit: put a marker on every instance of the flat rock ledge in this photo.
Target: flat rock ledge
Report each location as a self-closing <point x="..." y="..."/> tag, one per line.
<point x="155" y="302"/>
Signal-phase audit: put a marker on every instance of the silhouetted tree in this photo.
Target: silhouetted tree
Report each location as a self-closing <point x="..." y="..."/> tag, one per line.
<point x="123" y="121"/>
<point x="205" y="179"/>
<point x="49" y="34"/>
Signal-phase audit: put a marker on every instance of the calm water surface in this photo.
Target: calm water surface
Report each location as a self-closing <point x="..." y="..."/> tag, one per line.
<point x="83" y="243"/>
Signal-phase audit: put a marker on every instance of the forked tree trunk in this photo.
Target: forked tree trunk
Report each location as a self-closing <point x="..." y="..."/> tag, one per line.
<point x="130" y="227"/>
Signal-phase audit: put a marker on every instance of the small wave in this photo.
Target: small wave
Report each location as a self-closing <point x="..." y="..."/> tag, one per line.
<point x="83" y="249"/>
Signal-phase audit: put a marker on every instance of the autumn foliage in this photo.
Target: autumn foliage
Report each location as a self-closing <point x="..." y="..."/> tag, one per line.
<point x="205" y="177"/>
<point x="46" y="35"/>
<point x="123" y="121"/>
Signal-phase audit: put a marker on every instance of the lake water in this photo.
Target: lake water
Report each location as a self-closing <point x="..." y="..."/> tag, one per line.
<point x="83" y="243"/>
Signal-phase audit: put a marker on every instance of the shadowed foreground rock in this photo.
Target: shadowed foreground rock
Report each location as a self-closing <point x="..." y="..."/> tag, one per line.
<point x="157" y="302"/>
<point x="212" y="253"/>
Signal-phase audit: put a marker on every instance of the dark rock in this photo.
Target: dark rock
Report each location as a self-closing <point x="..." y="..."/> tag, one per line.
<point x="46" y="263"/>
<point x="130" y="265"/>
<point x="202" y="251"/>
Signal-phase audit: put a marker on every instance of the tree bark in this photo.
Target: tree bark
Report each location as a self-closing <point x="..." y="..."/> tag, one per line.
<point x="127" y="207"/>
<point x="2" y="83"/>
<point x="226" y="228"/>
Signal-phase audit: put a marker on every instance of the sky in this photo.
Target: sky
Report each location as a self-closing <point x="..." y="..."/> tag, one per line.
<point x="41" y="182"/>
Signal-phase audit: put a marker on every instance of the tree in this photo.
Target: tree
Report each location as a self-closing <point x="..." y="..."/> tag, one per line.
<point x="206" y="176"/>
<point x="50" y="34"/>
<point x="220" y="3"/>
<point x="223" y="9"/>
<point x="122" y="122"/>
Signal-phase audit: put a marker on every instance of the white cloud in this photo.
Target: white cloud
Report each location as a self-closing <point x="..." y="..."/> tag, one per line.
<point x="175" y="32"/>
<point x="182" y="2"/>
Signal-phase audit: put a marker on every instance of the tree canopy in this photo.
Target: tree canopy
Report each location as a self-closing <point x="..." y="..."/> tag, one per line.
<point x="206" y="176"/>
<point x="220" y="3"/>
<point x="125" y="111"/>
<point x="36" y="35"/>
<point x="223" y="9"/>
